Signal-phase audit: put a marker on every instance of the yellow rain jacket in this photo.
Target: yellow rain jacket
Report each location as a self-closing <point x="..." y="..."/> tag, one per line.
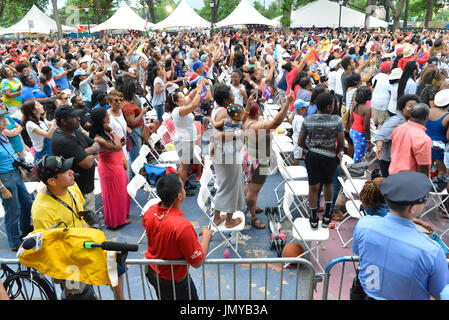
<point x="62" y="255"/>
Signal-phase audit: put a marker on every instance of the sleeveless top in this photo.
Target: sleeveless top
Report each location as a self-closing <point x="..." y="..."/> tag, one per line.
<point x="359" y="121"/>
<point x="435" y="129"/>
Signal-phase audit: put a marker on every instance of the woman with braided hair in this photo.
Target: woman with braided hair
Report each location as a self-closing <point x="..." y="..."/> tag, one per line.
<point x="374" y="202"/>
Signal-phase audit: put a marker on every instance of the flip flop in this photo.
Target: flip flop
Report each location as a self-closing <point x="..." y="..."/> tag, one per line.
<point x="259" y="210"/>
<point x="258" y="224"/>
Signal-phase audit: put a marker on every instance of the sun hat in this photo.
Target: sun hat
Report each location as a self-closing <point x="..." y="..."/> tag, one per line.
<point x="395" y="74"/>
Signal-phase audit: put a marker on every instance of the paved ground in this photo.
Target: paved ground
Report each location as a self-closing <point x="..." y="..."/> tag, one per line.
<point x="256" y="244"/>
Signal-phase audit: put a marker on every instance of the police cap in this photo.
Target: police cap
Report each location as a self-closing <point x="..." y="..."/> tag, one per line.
<point x="406" y="188"/>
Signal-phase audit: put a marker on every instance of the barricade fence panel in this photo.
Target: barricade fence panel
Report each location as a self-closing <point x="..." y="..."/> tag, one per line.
<point x="338" y="277"/>
<point x="216" y="279"/>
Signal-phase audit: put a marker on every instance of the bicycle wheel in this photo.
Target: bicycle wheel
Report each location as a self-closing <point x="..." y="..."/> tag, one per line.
<point x="29" y="285"/>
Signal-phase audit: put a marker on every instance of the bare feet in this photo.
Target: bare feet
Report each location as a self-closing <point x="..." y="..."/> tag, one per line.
<point x="233" y="223"/>
<point x="218" y="220"/>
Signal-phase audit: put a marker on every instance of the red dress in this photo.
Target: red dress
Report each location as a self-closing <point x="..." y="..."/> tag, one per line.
<point x="113" y="181"/>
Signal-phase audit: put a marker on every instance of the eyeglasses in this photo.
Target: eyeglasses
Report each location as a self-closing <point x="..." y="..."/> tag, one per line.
<point x="118" y="100"/>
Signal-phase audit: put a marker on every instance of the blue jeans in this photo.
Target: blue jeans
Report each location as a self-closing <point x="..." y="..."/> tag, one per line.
<point x="135" y="149"/>
<point x="337" y="188"/>
<point x="160" y="110"/>
<point x="17" y="209"/>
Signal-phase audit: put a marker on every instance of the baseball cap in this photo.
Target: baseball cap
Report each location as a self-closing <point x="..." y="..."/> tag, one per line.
<point x="194" y="78"/>
<point x="80" y="73"/>
<point x="385" y="65"/>
<point x="66" y="111"/>
<point x="196" y="65"/>
<point x="203" y="57"/>
<point x="334" y="63"/>
<point x="49" y="166"/>
<point x="300" y="104"/>
<point x="286" y="55"/>
<point x="174" y="53"/>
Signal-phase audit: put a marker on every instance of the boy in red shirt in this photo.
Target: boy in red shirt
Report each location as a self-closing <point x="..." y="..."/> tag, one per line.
<point x="172" y="237"/>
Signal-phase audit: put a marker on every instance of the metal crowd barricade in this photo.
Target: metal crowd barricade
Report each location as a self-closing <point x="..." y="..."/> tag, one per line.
<point x="327" y="275"/>
<point x="344" y="275"/>
<point x="222" y="279"/>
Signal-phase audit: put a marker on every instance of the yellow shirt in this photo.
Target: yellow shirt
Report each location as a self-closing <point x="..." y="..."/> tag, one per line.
<point x="46" y="211"/>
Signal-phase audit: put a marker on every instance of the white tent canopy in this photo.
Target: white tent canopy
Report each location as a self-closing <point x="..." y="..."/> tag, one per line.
<point x="324" y="13"/>
<point x="183" y="17"/>
<point x="123" y="19"/>
<point x="35" y="21"/>
<point x="245" y="13"/>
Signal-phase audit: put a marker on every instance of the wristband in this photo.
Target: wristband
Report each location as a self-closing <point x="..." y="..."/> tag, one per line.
<point x="2" y="186"/>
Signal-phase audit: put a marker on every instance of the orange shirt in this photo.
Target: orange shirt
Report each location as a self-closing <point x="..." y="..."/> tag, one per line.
<point x="410" y="147"/>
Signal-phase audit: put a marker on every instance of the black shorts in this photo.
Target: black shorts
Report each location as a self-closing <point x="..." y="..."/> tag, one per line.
<point x="320" y="169"/>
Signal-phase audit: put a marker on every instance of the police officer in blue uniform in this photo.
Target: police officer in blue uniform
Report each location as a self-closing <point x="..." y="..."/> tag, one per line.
<point x="396" y="260"/>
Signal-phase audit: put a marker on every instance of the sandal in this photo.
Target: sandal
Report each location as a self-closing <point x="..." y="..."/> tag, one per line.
<point x="259" y="210"/>
<point x="258" y="224"/>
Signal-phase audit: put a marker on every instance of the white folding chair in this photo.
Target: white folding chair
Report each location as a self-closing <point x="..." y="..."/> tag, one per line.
<point x="167" y="156"/>
<point x="138" y="163"/>
<point x="288" y="173"/>
<point x="352" y="210"/>
<point x="437" y="199"/>
<point x="206" y="204"/>
<point x="355" y="185"/>
<point x="139" y="182"/>
<point x="302" y="231"/>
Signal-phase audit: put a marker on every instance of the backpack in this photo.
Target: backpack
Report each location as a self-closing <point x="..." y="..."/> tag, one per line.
<point x="155" y="172"/>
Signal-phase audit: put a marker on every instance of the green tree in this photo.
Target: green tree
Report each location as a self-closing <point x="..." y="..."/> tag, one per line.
<point x="286" y="8"/>
<point x="270" y="12"/>
<point x="161" y="11"/>
<point x="221" y="10"/>
<point x="12" y="11"/>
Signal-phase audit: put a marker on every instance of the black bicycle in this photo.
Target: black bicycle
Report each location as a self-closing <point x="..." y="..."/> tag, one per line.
<point x="26" y="284"/>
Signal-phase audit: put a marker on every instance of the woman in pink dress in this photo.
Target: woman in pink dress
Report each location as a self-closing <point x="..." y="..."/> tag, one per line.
<point x="111" y="169"/>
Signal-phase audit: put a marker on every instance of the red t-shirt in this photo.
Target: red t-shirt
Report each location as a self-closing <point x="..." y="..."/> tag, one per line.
<point x="172" y="238"/>
<point x="129" y="109"/>
<point x="290" y="77"/>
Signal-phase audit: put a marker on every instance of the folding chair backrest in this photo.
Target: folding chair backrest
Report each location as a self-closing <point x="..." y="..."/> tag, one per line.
<point x="206" y="177"/>
<point x="136" y="183"/>
<point x="144" y="150"/>
<point x="154" y="139"/>
<point x="138" y="163"/>
<point x="207" y="162"/>
<point x="288" y="200"/>
<point x="203" y="197"/>
<point x="197" y="154"/>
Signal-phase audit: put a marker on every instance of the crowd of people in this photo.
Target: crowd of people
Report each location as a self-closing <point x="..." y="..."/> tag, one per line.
<point x="96" y="102"/>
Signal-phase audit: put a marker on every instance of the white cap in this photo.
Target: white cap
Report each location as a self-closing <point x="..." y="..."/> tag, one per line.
<point x="333" y="63"/>
<point x="286" y="55"/>
<point x="442" y="98"/>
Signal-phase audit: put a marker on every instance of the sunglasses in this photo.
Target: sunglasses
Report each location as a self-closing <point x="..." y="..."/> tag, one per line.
<point x="118" y="100"/>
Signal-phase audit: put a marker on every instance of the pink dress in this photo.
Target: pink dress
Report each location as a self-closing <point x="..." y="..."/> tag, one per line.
<point x="113" y="181"/>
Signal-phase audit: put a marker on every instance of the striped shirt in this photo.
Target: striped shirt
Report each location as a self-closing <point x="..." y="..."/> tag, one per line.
<point x="321" y="131"/>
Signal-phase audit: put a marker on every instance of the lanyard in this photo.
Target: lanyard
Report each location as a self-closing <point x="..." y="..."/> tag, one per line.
<point x="65" y="204"/>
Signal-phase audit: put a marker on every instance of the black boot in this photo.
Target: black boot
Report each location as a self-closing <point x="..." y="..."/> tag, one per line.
<point x="313" y="219"/>
<point x="327" y="215"/>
